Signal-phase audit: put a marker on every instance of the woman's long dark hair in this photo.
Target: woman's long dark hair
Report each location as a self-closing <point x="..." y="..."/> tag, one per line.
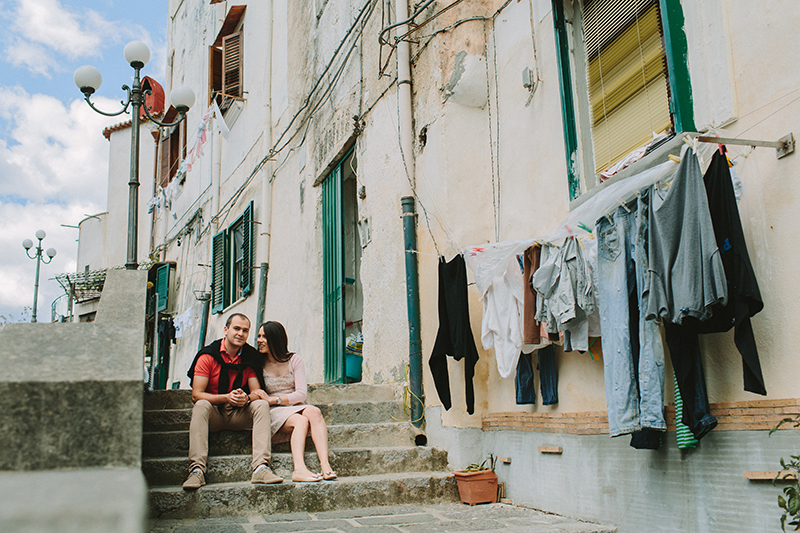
<point x="277" y="341"/>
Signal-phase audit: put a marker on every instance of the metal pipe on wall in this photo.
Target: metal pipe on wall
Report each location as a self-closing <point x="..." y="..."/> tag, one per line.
<point x="409" y="217"/>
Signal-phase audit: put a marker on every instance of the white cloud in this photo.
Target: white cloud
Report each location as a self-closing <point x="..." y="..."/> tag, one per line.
<point x="52" y="152"/>
<point x="53" y="171"/>
<point x="32" y="56"/>
<point x="43" y="32"/>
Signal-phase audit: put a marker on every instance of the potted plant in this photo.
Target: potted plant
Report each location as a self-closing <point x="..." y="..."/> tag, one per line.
<point x="477" y="483"/>
<point x="790" y="472"/>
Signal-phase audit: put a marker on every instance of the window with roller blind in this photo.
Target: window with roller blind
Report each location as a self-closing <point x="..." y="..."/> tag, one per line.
<point x="226" y="60"/>
<point x="620" y="81"/>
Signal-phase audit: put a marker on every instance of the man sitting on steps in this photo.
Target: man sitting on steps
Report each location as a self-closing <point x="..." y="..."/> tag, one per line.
<point x="234" y="409"/>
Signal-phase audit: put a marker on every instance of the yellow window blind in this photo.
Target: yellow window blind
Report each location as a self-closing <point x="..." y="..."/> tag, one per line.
<point x="627" y="76"/>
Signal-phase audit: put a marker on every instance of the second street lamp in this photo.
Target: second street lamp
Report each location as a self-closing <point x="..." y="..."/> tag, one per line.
<point x="88" y="80"/>
<point x="51" y="253"/>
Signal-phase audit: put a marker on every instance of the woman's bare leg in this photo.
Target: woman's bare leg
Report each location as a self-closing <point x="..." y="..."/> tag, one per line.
<point x="319" y="435"/>
<point x="297" y="426"/>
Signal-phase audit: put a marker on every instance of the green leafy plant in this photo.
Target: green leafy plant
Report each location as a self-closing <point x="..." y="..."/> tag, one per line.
<point x="789" y="501"/>
<point x="475" y="467"/>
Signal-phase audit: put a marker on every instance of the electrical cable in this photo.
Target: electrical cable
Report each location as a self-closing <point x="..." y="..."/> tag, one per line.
<point x="364" y="13"/>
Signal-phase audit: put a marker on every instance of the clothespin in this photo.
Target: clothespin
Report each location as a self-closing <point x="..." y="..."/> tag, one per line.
<point x="722" y="148"/>
<point x="584" y="227"/>
<point x="695" y="144"/>
<point x="675" y="158"/>
<point x="625" y="207"/>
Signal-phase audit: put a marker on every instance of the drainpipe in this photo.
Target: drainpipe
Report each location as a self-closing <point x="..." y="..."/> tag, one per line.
<point x="409" y="217"/>
<point x="265" y="228"/>
<point x="206" y="299"/>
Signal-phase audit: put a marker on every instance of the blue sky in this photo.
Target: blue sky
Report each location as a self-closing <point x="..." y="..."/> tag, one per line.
<point x="53" y="156"/>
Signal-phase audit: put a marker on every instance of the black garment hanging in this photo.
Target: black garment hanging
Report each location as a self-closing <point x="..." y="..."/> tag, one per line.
<point x="455" y="333"/>
<point x="744" y="298"/>
<point x="744" y="301"/>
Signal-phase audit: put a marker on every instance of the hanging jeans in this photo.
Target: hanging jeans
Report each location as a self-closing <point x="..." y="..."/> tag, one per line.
<point x="523" y="381"/>
<point x="633" y="356"/>
<point x="548" y="375"/>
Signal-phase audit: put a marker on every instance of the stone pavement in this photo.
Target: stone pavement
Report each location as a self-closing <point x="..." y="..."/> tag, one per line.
<point x="451" y="517"/>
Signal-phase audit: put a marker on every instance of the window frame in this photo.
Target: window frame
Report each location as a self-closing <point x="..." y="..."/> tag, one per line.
<point x="226" y="61"/>
<point x="575" y="112"/>
<point x="225" y="291"/>
<point x="170" y="158"/>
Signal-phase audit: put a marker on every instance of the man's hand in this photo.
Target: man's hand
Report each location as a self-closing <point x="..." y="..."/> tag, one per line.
<point x="237" y="398"/>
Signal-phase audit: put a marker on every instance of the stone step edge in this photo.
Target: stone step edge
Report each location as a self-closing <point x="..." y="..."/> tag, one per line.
<point x="317" y="404"/>
<point x="342" y="480"/>
<point x="288" y="454"/>
<point x="330" y="426"/>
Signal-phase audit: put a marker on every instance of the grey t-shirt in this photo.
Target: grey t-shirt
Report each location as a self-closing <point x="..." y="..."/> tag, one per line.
<point x="685" y="274"/>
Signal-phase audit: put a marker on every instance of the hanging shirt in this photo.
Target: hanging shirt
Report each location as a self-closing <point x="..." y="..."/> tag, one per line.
<point x="499" y="278"/>
<point x="686" y="277"/>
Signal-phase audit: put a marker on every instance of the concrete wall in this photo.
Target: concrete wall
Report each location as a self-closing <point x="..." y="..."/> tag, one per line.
<point x="71" y="418"/>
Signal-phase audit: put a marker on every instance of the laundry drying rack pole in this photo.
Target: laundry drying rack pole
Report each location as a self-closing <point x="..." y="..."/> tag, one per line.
<point x="784" y="146"/>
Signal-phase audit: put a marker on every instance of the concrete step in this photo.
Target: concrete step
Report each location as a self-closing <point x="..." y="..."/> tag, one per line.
<point x="347" y="462"/>
<point x="317" y="394"/>
<point x="245" y="499"/>
<point x="176" y="443"/>
<point x="349" y="412"/>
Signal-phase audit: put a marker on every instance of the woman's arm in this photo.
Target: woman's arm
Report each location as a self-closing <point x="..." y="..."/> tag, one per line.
<point x="300" y="393"/>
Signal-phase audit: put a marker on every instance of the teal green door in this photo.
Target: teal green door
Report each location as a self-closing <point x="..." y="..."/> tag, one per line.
<point x="333" y="272"/>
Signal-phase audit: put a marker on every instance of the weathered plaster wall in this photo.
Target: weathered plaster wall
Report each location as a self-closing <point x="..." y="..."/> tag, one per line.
<point x="730" y="64"/>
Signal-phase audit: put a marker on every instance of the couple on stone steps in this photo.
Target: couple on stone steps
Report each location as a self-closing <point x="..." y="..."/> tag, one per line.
<point x="264" y="389"/>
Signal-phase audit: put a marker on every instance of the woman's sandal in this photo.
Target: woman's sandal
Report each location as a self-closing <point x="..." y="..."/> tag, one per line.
<point x="314" y="478"/>
<point x="329" y="476"/>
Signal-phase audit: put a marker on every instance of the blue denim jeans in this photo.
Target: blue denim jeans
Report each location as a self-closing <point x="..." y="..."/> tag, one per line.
<point x="633" y="355"/>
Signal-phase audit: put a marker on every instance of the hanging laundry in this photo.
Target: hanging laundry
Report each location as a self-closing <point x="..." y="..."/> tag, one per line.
<point x="531" y="330"/>
<point x="183" y="322"/>
<point x="684" y="435"/>
<point x="633" y="355"/>
<point x="566" y="293"/>
<point x="499" y="280"/>
<point x="524" y="384"/>
<point x="744" y="297"/>
<point x="455" y="333"/>
<point x="548" y="375"/>
<point x="744" y="301"/>
<point x="686" y="276"/>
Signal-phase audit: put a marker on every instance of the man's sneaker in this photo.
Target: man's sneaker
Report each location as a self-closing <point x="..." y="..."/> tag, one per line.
<point x="195" y="480"/>
<point x="264" y="474"/>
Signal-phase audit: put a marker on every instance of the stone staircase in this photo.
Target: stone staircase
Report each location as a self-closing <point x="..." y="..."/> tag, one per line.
<point x="376" y="457"/>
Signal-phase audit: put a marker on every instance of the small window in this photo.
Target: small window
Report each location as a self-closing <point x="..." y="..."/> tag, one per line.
<point x="172" y="148"/>
<point x="232" y="262"/>
<point x="225" y="63"/>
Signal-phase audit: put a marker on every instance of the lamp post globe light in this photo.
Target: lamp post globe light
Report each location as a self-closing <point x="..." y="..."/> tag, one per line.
<point x="88" y="80"/>
<point x="51" y="253"/>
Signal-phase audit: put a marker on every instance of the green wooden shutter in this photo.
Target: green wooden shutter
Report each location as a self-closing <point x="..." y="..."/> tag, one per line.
<point x="218" y="273"/>
<point x="678" y="63"/>
<point x="162" y="287"/>
<point x="247" y="250"/>
<point x="567" y="102"/>
<point x="333" y="280"/>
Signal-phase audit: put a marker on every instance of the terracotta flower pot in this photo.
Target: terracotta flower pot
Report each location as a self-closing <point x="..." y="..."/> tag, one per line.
<point x="477" y="487"/>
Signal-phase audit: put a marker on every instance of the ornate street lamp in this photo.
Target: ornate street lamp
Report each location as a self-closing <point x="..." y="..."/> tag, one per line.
<point x="88" y="80"/>
<point x="51" y="253"/>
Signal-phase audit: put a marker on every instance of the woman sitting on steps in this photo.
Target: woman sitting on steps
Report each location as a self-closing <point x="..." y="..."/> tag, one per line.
<point x="286" y="391"/>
